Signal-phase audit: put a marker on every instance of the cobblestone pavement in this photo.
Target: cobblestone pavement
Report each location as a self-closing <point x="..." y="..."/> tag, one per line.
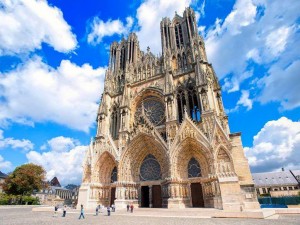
<point x="25" y="216"/>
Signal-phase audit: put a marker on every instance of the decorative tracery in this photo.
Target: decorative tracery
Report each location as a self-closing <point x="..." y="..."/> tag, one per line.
<point x="114" y="175"/>
<point x="187" y="97"/>
<point x="150" y="169"/>
<point x="194" y="169"/>
<point x="153" y="109"/>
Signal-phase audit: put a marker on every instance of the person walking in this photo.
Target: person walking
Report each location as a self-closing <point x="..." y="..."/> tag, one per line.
<point x="55" y="211"/>
<point x="97" y="210"/>
<point x="64" y="211"/>
<point x="128" y="207"/>
<point x="81" y="213"/>
<point x="113" y="208"/>
<point x="108" y="211"/>
<point x="131" y="208"/>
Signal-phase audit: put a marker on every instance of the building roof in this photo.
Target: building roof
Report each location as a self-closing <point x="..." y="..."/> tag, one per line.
<point x="3" y="175"/>
<point x="55" y="182"/>
<point x="296" y="174"/>
<point x="281" y="178"/>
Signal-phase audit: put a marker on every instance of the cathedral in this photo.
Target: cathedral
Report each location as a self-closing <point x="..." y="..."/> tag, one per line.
<point x="163" y="138"/>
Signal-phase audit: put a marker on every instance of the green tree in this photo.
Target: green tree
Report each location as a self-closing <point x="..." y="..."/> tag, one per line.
<point x="25" y="179"/>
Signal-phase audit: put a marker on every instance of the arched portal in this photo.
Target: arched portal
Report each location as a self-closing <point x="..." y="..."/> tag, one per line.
<point x="106" y="176"/>
<point x="191" y="165"/>
<point x="143" y="166"/>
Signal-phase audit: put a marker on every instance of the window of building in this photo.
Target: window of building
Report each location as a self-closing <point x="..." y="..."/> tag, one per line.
<point x="178" y="35"/>
<point x="123" y="58"/>
<point x="153" y="109"/>
<point x="150" y="169"/>
<point x="114" y="175"/>
<point x="115" y="123"/>
<point x="194" y="169"/>
<point x="187" y="98"/>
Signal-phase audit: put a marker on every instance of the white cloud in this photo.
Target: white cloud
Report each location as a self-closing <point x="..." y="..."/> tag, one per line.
<point x="149" y="15"/>
<point x="23" y="144"/>
<point x="36" y="92"/>
<point x="26" y="24"/>
<point x="5" y="165"/>
<point x="60" y="144"/>
<point x="277" y="39"/>
<point x="63" y="159"/>
<point x="282" y="85"/>
<point x="99" y="29"/>
<point x="255" y="30"/>
<point x="276" y="145"/>
<point x="245" y="100"/>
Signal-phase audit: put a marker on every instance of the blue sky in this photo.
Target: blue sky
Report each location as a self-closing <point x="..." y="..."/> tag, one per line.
<point x="53" y="56"/>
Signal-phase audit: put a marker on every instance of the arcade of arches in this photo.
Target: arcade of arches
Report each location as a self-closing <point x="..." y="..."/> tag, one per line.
<point x="163" y="138"/>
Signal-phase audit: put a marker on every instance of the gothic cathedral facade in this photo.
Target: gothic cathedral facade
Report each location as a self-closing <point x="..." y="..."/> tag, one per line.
<point x="163" y="138"/>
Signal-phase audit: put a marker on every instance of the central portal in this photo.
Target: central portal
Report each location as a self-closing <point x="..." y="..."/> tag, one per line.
<point x="145" y="197"/>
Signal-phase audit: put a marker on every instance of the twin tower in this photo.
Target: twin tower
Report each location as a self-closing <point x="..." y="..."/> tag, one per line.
<point x="163" y="138"/>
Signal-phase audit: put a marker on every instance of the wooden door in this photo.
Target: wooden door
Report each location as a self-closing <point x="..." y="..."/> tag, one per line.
<point x="112" y="195"/>
<point x="145" y="196"/>
<point x="156" y="196"/>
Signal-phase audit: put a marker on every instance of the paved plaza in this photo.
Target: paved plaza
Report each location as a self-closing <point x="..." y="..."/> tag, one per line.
<point x="25" y="216"/>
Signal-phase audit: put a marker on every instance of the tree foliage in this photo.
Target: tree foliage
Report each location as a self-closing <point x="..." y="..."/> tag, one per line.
<point x="25" y="179"/>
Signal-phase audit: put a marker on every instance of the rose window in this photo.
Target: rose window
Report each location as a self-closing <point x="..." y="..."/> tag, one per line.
<point x="194" y="169"/>
<point x="150" y="169"/>
<point x="153" y="109"/>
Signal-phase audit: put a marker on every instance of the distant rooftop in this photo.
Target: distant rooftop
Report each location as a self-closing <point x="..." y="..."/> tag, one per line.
<point x="274" y="178"/>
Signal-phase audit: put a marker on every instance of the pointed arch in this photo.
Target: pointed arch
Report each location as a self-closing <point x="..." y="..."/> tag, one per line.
<point x="224" y="161"/>
<point x="104" y="165"/>
<point x="135" y="153"/>
<point x="174" y="63"/>
<point x="182" y="154"/>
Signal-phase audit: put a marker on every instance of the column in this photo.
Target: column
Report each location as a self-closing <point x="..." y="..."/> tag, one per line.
<point x="150" y="196"/>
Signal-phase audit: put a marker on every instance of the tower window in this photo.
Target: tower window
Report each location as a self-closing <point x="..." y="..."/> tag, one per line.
<point x="178" y="35"/>
<point x="187" y="98"/>
<point x="115" y="123"/>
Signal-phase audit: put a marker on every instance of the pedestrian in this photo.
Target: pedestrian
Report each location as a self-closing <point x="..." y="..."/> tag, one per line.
<point x="64" y="211"/>
<point x="97" y="210"/>
<point x="113" y="208"/>
<point x="108" y="211"/>
<point x="128" y="207"/>
<point x="131" y="208"/>
<point x="55" y="211"/>
<point x="81" y="212"/>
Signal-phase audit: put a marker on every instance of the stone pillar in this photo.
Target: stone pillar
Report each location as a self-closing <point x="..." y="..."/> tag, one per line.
<point x="150" y="196"/>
